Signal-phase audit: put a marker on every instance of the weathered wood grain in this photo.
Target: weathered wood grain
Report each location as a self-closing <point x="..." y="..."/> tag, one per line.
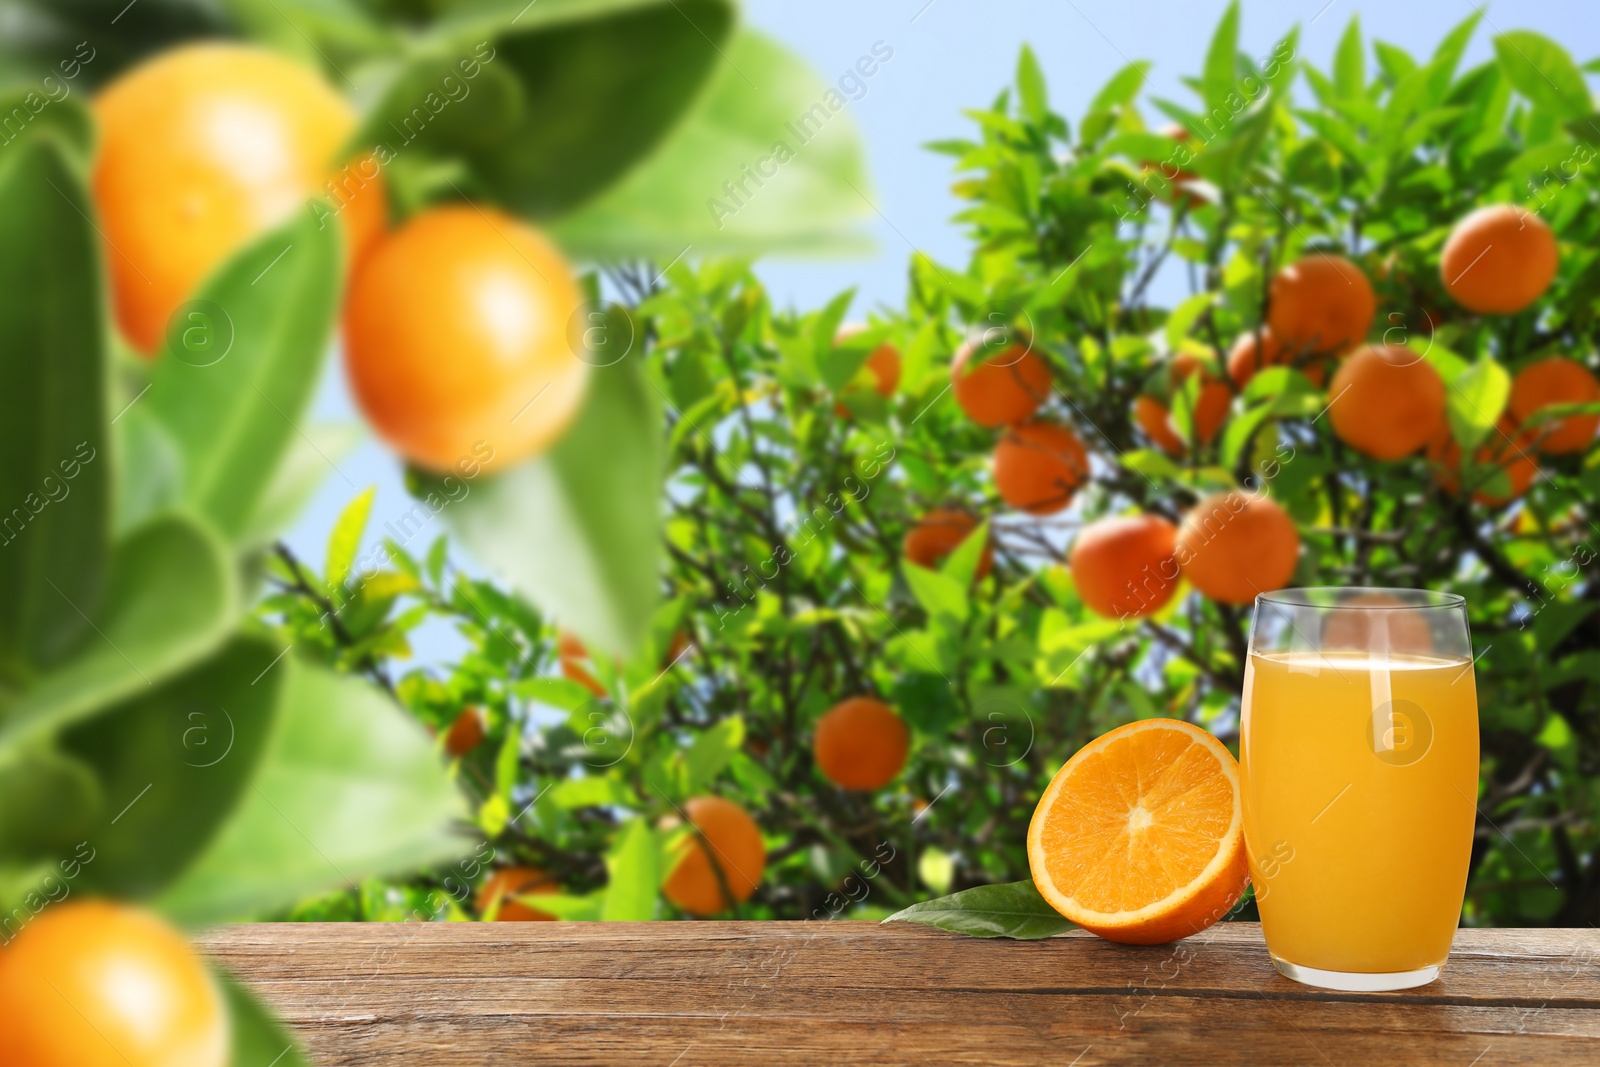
<point x="821" y="992"/>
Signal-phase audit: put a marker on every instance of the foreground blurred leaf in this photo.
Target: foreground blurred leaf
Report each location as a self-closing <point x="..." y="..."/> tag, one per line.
<point x="577" y="530"/>
<point x="48" y="800"/>
<point x="563" y="98"/>
<point x="1543" y="72"/>
<point x="174" y="764"/>
<point x="633" y="867"/>
<point x="171" y="598"/>
<point x="811" y="197"/>
<point x="1014" y="910"/>
<point x="240" y="363"/>
<point x="349" y="787"/>
<point x="1476" y="398"/>
<point x="54" y="471"/>
<point x="259" y="1040"/>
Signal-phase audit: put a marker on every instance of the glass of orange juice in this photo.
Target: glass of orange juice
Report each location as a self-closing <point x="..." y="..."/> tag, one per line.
<point x="1358" y="754"/>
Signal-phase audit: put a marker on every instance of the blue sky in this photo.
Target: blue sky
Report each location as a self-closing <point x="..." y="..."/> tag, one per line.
<point x="955" y="54"/>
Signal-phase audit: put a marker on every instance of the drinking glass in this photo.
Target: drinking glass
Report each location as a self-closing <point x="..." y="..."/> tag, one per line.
<point x="1358" y="753"/>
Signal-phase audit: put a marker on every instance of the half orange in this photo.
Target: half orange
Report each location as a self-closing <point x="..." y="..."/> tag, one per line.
<point x="1140" y="836"/>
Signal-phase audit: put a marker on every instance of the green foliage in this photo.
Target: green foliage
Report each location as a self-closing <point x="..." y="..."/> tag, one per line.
<point x="783" y="515"/>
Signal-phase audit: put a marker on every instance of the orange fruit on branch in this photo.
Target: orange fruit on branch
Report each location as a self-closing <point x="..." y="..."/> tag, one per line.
<point x="204" y="147"/>
<point x="1038" y="466"/>
<point x="457" y="342"/>
<point x="939" y="533"/>
<point x="1210" y="405"/>
<point x="505" y="885"/>
<point x="703" y="881"/>
<point x="1321" y="303"/>
<point x="466" y="732"/>
<point x="1233" y="545"/>
<point x="98" y="984"/>
<point x="1139" y="837"/>
<point x="1155" y="420"/>
<point x="883" y="364"/>
<point x="1548" y="383"/>
<point x="1498" y="260"/>
<point x="1123" y="566"/>
<point x="999" y="388"/>
<point x="861" y="743"/>
<point x="1505" y="448"/>
<point x="573" y="655"/>
<point x="1386" y="401"/>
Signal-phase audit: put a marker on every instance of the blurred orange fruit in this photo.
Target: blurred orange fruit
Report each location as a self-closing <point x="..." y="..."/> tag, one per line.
<point x="1038" y="466"/>
<point x="1322" y="303"/>
<point x="1233" y="545"/>
<point x="883" y="363"/>
<point x="1004" y="388"/>
<point x="573" y="655"/>
<point x="1505" y="448"/>
<point x="1548" y="383"/>
<point x="466" y="733"/>
<point x="1386" y="401"/>
<point x="1210" y="405"/>
<point x="457" y="341"/>
<point x="99" y="984"/>
<point x="204" y="147"/>
<point x="1156" y="422"/>
<point x="938" y="534"/>
<point x="861" y="744"/>
<point x="1246" y="359"/>
<point x="507" y="883"/>
<point x="1498" y="260"/>
<point x="736" y="848"/>
<point x="1139" y="837"/>
<point x="1123" y="566"/>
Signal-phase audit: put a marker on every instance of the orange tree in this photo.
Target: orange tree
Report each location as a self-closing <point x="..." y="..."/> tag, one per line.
<point x="909" y="569"/>
<point x="184" y="226"/>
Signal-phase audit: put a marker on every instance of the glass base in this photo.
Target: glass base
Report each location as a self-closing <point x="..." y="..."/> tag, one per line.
<point x="1353" y="982"/>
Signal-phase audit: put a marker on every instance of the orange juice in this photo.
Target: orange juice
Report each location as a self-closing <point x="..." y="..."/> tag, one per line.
<point x="1360" y="773"/>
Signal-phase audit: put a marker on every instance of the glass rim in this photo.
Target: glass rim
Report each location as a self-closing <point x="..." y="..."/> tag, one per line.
<point x="1326" y="598"/>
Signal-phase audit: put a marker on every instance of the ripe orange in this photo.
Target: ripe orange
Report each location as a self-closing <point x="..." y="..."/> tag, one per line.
<point x="1245" y="359"/>
<point x="1233" y="545"/>
<point x="1505" y="448"/>
<point x="1498" y="260"/>
<point x="938" y="534"/>
<point x="1550" y="382"/>
<point x="508" y="883"/>
<point x="457" y="342"/>
<point x="466" y="733"/>
<point x="202" y="148"/>
<point x="1038" y="466"/>
<point x="1123" y="566"/>
<point x="737" y="850"/>
<point x="883" y="364"/>
<point x="1321" y="303"/>
<point x="1156" y="422"/>
<point x="1140" y="836"/>
<point x="1004" y="388"/>
<point x="1386" y="401"/>
<point x="861" y="744"/>
<point x="573" y="655"/>
<point x="99" y="984"/>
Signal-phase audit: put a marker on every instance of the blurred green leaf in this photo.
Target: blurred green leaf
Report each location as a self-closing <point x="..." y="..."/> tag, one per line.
<point x="259" y="1040"/>
<point x="171" y="598"/>
<point x="634" y="872"/>
<point x="349" y="786"/>
<point x="1031" y="92"/>
<point x="721" y="183"/>
<point x="1476" y="398"/>
<point x="345" y="539"/>
<point x="1014" y="910"/>
<point x="240" y="362"/>
<point x="48" y="800"/>
<point x="55" y="493"/>
<point x="175" y="763"/>
<point x="312" y="454"/>
<point x="1220" y="79"/>
<point x="1349" y="63"/>
<point x="939" y="594"/>
<point x="1544" y="72"/>
<point x="711" y="752"/>
<point x="577" y="530"/>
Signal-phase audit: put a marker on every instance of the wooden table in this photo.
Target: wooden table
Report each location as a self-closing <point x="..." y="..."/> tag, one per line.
<point x="680" y="994"/>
